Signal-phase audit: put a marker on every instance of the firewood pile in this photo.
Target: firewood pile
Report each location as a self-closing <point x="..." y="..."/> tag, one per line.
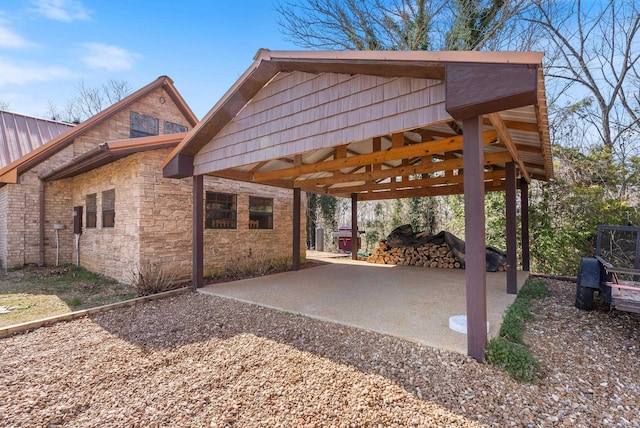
<point x="444" y="250"/>
<point x="427" y="255"/>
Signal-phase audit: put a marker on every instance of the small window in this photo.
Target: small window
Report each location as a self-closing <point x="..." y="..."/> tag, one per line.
<point x="143" y="126"/>
<point x="174" y="128"/>
<point x="221" y="211"/>
<point x="92" y="210"/>
<point x="109" y="208"/>
<point x="260" y="213"/>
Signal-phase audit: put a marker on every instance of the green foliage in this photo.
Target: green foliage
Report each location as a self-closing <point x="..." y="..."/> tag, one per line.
<point x="590" y="188"/>
<point x="508" y="351"/>
<point x="74" y="301"/>
<point x="513" y="358"/>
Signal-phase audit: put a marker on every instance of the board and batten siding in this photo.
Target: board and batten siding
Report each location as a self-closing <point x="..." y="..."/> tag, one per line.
<point x="298" y="112"/>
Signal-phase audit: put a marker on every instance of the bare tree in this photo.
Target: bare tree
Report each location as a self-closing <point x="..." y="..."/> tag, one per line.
<point x="88" y="101"/>
<point x="594" y="57"/>
<point x="4" y="105"/>
<point x="395" y="24"/>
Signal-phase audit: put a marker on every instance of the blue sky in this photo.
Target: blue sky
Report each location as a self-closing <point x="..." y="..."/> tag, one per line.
<point x="48" y="46"/>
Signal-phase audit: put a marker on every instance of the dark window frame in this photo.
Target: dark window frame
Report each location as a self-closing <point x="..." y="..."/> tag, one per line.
<point x="174" y="128"/>
<point x="141" y="125"/>
<point x="91" y="211"/>
<point x="221" y="210"/>
<point x="260" y="212"/>
<point x="108" y="209"/>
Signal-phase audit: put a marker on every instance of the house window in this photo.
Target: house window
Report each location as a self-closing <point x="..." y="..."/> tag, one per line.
<point x="174" y="128"/>
<point x="109" y="208"/>
<point x="92" y="210"/>
<point x="221" y="211"/>
<point x="260" y="213"/>
<point x="142" y="125"/>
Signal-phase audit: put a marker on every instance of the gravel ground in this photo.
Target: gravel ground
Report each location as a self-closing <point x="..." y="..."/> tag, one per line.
<point x="196" y="360"/>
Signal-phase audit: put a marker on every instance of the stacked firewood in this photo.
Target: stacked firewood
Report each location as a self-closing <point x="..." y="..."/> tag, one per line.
<point x="427" y="255"/>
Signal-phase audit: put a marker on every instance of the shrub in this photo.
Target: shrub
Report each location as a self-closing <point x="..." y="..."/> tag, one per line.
<point x="151" y="278"/>
<point x="508" y="351"/>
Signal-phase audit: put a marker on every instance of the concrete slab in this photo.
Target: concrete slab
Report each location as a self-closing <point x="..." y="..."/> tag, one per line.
<point x="409" y="302"/>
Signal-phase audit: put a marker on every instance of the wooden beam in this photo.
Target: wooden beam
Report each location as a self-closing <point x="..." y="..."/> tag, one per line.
<point x="503" y="132"/>
<point x="234" y="174"/>
<point x="295" y="257"/>
<point x="414" y="150"/>
<point x="524" y="219"/>
<point x="431" y="167"/>
<point x="475" y="246"/>
<point x="454" y="189"/>
<point x="197" y="276"/>
<point x="510" y="217"/>
<point x="412" y="184"/>
<point x="514" y="124"/>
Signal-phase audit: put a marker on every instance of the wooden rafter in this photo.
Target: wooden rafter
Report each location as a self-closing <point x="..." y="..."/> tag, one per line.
<point x="455" y="189"/>
<point x="414" y="150"/>
<point x="503" y="132"/>
<point x="432" y="182"/>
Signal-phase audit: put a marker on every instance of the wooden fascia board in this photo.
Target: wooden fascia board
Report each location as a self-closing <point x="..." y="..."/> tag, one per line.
<point x="473" y="90"/>
<point x="10" y="176"/>
<point x="414" y="150"/>
<point x="62" y="141"/>
<point x="245" y="88"/>
<point x="503" y="133"/>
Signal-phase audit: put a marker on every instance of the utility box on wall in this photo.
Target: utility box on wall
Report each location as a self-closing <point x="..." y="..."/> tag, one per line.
<point x="77" y="220"/>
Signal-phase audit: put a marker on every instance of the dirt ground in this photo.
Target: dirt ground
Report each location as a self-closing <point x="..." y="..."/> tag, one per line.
<point x="196" y="360"/>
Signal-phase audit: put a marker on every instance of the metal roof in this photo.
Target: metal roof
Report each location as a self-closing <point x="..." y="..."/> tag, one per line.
<point x="9" y="173"/>
<point x="21" y="134"/>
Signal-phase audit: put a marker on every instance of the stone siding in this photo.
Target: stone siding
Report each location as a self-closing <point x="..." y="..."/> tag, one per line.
<point x="3" y="226"/>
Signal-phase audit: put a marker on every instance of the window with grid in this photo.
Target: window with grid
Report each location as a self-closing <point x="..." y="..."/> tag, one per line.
<point x="220" y="211"/>
<point x="142" y="125"/>
<point x="92" y="210"/>
<point x="260" y="212"/>
<point x="109" y="208"/>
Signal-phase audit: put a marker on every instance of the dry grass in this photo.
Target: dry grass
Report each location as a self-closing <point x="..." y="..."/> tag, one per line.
<point x="33" y="293"/>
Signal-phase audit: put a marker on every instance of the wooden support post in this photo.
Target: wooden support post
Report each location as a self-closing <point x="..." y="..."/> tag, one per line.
<point x="524" y="218"/>
<point x="475" y="249"/>
<point x="295" y="264"/>
<point x="510" y="202"/>
<point x="354" y="226"/>
<point x="198" y="232"/>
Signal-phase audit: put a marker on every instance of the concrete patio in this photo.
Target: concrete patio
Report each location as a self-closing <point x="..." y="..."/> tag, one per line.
<point x="409" y="302"/>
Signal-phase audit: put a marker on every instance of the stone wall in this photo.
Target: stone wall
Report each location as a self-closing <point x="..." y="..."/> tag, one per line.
<point x="3" y="226"/>
<point x="22" y="211"/>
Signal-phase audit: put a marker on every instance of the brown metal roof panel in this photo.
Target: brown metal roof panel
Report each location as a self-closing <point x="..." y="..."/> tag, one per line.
<point x="20" y="134"/>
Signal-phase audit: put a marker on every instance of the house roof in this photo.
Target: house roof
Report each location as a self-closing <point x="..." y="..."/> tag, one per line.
<point x="111" y="151"/>
<point x="10" y="172"/>
<point x="21" y="134"/>
<point x="516" y="129"/>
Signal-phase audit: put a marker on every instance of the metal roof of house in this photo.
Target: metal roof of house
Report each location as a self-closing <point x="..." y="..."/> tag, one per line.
<point x="10" y="172"/>
<point x="21" y="134"/>
<point x="111" y="151"/>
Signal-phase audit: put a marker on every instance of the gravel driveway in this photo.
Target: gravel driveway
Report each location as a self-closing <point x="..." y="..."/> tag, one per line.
<point x="196" y="360"/>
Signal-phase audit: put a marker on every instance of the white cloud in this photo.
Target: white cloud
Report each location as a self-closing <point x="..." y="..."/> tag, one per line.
<point x="62" y="10"/>
<point x="11" y="39"/>
<point x="108" y="57"/>
<point x="21" y="74"/>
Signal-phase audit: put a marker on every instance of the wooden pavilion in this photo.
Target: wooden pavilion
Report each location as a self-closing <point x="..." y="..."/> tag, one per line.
<point x="374" y="125"/>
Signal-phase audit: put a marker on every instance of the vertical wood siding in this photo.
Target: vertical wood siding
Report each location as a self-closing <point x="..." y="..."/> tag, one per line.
<point x="298" y="112"/>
